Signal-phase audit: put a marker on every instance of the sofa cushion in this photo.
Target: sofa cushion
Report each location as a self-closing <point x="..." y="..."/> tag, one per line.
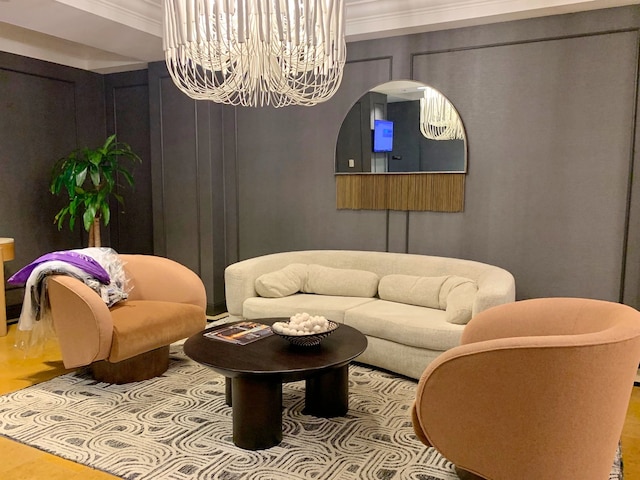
<point x="405" y="324"/>
<point x="451" y="293"/>
<point x="412" y="289"/>
<point x="344" y="282"/>
<point x="171" y="321"/>
<point x="460" y="302"/>
<point x="331" y="307"/>
<point x="283" y="282"/>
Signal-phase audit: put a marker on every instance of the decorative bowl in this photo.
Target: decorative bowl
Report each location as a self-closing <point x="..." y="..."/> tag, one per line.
<point x="309" y="339"/>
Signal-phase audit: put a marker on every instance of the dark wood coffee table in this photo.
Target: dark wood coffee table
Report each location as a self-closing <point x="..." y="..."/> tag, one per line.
<point x="255" y="374"/>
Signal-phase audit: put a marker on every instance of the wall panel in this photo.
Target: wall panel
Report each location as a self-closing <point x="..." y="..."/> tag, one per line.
<point x="549" y="145"/>
<point x="549" y="106"/>
<point x="46" y="111"/>
<point x="188" y="182"/>
<point x="127" y="102"/>
<point x="286" y="165"/>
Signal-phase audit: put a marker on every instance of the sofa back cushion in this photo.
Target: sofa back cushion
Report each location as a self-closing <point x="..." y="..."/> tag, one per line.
<point x="344" y="282"/>
<point x="283" y="282"/>
<point x="412" y="290"/>
<point x="318" y="279"/>
<point x="451" y="293"/>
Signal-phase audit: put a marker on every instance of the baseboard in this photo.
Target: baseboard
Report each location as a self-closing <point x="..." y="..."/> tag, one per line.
<point x="216" y="308"/>
<point x="13" y="313"/>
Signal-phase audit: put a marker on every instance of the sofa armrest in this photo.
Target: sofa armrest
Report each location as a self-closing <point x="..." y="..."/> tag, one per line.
<point x="157" y="278"/>
<point x="495" y="287"/>
<point x="81" y="320"/>
<point x="240" y="278"/>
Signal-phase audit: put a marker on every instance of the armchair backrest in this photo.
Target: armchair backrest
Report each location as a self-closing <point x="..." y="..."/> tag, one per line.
<point x="539" y="389"/>
<point x="158" y="278"/>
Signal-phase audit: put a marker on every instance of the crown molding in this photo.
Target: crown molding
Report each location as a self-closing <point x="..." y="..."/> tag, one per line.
<point x="24" y="42"/>
<point x="106" y="35"/>
<point x="143" y="15"/>
<point x="366" y="19"/>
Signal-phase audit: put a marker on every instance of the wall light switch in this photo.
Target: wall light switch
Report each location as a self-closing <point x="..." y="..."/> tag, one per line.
<point x="352" y="163"/>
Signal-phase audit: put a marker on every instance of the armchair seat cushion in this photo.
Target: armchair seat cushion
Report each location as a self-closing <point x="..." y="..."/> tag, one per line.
<point x="143" y="325"/>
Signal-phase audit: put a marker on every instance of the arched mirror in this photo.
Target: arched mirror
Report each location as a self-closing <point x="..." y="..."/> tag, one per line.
<point x="402" y="127"/>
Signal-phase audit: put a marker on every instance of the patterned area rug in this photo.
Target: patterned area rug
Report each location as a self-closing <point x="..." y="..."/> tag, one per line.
<point x="178" y="427"/>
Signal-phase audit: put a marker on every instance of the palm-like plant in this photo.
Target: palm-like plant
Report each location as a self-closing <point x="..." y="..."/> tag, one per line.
<point x="90" y="178"/>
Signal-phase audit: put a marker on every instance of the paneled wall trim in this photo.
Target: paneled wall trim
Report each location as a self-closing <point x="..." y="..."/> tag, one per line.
<point x="46" y="111"/>
<point x="420" y="192"/>
<point x="550" y="109"/>
<point x="127" y="113"/>
<point x="550" y="193"/>
<point x="187" y="168"/>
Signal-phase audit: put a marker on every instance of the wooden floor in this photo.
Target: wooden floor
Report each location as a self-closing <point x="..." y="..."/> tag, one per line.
<point x="19" y="462"/>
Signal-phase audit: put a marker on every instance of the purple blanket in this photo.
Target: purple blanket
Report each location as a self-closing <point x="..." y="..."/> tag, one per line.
<point x="83" y="262"/>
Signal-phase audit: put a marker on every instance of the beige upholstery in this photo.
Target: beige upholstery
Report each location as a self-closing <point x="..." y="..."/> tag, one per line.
<point x="420" y="308"/>
<point x="167" y="302"/>
<point x="538" y="389"/>
<point x="495" y="285"/>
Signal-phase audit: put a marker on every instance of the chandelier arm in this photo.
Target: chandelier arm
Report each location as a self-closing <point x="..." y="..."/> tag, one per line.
<point x="256" y="52"/>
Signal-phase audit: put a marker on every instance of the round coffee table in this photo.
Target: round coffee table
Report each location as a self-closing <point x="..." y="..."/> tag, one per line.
<point x="255" y="373"/>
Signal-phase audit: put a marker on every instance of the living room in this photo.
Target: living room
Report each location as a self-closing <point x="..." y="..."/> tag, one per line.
<point x="549" y="105"/>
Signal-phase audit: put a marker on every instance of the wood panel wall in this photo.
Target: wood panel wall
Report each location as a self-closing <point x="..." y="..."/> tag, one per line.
<point x="418" y="192"/>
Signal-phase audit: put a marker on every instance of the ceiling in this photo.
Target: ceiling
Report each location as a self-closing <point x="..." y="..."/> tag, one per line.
<point x="118" y="35"/>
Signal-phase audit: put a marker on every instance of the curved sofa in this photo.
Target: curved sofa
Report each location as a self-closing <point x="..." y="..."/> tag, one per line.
<point x="411" y="307"/>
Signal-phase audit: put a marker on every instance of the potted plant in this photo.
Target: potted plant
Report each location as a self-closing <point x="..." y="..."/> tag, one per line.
<point x="90" y="178"/>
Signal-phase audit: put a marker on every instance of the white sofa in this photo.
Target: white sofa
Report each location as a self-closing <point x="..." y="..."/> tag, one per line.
<point x="411" y="307"/>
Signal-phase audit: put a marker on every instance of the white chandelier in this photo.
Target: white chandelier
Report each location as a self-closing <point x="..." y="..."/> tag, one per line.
<point x="439" y="120"/>
<point x="255" y="52"/>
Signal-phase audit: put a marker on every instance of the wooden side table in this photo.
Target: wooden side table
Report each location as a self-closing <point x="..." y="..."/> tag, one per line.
<point x="7" y="253"/>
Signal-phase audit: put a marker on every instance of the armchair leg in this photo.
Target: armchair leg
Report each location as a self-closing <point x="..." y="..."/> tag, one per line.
<point x="135" y="369"/>
<point x="464" y="475"/>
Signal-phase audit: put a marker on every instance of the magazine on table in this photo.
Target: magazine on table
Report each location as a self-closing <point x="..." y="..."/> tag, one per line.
<point x="240" y="333"/>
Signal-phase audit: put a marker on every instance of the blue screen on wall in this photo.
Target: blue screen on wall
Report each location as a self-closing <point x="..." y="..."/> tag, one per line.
<point x="382" y="136"/>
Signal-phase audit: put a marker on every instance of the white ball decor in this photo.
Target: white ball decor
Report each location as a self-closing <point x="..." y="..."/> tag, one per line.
<point x="304" y="329"/>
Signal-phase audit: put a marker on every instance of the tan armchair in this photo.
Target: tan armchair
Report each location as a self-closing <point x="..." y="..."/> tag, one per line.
<point x="538" y="389"/>
<point x="130" y="341"/>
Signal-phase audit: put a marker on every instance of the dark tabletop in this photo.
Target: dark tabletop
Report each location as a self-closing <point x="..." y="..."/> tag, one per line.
<point x="274" y="355"/>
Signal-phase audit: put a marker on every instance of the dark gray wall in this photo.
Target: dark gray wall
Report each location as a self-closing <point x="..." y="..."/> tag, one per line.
<point x="549" y="106"/>
<point x="286" y="188"/>
<point x="550" y="124"/>
<point x="188" y="173"/>
<point x="127" y="110"/>
<point x="45" y="112"/>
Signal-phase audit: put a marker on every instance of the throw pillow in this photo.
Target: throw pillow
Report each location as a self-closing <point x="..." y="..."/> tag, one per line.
<point x="460" y="302"/>
<point x="343" y="282"/>
<point x="282" y="283"/>
<point x="450" y="283"/>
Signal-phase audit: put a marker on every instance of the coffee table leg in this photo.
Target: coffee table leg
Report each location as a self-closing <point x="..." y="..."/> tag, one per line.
<point x="327" y="394"/>
<point x="227" y="391"/>
<point x="257" y="413"/>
